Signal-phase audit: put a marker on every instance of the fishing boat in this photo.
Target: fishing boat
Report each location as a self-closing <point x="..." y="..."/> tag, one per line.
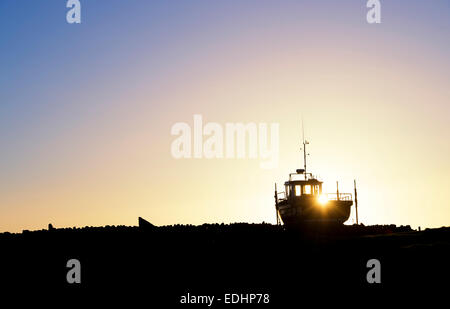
<point x="303" y="203"/>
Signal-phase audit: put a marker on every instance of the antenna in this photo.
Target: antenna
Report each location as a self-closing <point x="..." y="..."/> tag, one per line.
<point x="304" y="147"/>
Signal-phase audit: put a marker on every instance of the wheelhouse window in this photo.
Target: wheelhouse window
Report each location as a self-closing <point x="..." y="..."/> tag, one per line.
<point x="316" y="190"/>
<point x="307" y="189"/>
<point x="298" y="190"/>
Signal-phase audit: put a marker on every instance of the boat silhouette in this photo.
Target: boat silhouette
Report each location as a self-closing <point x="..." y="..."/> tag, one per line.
<point x="303" y="203"/>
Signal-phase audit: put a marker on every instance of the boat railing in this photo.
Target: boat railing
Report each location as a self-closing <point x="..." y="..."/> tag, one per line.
<point x="301" y="176"/>
<point x="342" y="196"/>
<point x="281" y="196"/>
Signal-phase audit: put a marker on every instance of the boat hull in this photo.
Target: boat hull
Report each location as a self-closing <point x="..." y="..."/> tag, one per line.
<point x="298" y="213"/>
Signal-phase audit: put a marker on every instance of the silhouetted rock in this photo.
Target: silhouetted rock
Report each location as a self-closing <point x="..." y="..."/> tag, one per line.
<point x="50" y="227"/>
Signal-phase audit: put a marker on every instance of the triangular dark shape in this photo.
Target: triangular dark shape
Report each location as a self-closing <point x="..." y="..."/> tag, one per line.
<point x="144" y="224"/>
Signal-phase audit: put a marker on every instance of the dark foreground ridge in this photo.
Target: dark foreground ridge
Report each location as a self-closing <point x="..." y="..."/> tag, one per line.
<point x="170" y="261"/>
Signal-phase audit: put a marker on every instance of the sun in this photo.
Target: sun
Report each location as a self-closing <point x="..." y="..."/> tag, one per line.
<point x="323" y="200"/>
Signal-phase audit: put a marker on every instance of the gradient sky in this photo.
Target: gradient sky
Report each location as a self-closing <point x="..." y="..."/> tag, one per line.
<point x="86" y="110"/>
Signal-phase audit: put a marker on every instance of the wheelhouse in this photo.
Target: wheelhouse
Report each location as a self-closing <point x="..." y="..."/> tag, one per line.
<point x="303" y="188"/>
<point x="308" y="187"/>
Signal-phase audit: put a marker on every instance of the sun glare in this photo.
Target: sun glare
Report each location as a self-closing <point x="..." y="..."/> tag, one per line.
<point x="323" y="200"/>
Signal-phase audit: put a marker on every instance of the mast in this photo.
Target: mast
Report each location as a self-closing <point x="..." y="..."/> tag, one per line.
<point x="276" y="205"/>
<point x="337" y="190"/>
<point x="304" y="148"/>
<point x="356" y="202"/>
